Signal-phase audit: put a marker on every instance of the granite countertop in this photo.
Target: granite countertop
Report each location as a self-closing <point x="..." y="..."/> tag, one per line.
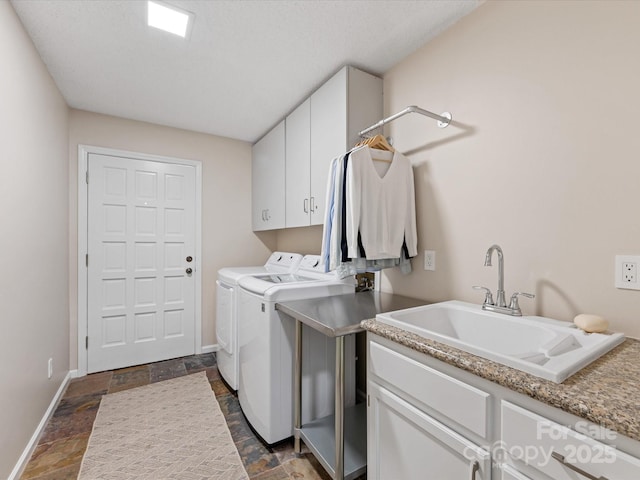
<point x="606" y="392"/>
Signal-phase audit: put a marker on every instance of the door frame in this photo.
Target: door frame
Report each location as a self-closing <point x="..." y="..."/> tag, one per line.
<point x="83" y="162"/>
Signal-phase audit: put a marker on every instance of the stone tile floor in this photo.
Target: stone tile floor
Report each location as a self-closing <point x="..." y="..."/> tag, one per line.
<point x="59" y="452"/>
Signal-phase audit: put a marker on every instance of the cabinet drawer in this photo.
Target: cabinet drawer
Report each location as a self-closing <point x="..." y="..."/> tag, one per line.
<point x="534" y="440"/>
<point x="459" y="402"/>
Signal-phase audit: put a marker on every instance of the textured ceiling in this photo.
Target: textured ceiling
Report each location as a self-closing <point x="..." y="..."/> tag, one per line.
<point x="246" y="65"/>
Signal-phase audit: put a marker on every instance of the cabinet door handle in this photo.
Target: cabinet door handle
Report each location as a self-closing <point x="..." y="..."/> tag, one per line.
<point x="313" y="204"/>
<point x="475" y="466"/>
<point x="263" y="215"/>
<point x="560" y="458"/>
<point x="306" y="205"/>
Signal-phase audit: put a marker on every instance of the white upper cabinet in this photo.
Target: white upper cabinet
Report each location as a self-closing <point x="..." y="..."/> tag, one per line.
<point x="324" y="126"/>
<point x="268" y="180"/>
<point x="328" y="137"/>
<point x="298" y="166"/>
<point x="289" y="176"/>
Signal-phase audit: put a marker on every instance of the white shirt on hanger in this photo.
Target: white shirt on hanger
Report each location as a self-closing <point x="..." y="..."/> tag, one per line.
<point x="380" y="205"/>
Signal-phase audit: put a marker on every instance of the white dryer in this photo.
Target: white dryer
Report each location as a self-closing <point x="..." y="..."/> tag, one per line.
<point x="266" y="340"/>
<point x="226" y="308"/>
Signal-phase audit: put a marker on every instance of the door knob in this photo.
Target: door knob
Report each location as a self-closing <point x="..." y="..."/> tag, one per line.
<point x="189" y="259"/>
<point x="189" y="271"/>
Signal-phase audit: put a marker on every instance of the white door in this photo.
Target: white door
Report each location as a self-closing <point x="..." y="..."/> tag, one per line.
<point x="141" y="240"/>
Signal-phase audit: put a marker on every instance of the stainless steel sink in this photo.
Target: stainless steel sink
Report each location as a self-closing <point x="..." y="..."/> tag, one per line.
<point x="541" y="346"/>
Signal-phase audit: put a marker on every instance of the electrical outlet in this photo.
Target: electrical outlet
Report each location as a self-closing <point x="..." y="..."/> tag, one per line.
<point x="627" y="272"/>
<point x="50" y="368"/>
<point x="430" y="260"/>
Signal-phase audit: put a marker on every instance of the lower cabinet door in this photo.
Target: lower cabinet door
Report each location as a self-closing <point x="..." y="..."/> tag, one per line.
<point x="404" y="442"/>
<point x="509" y="473"/>
<point x="560" y="452"/>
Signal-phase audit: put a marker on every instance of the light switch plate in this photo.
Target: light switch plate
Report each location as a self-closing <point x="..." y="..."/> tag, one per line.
<point x="430" y="260"/>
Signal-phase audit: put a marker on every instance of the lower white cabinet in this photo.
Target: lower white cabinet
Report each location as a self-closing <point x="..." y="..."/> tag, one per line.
<point x="457" y="401"/>
<point x="562" y="453"/>
<point x="406" y="443"/>
<point x="509" y="473"/>
<point x="427" y="419"/>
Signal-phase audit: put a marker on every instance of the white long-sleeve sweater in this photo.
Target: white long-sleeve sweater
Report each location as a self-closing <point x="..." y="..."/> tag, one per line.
<point x="381" y="208"/>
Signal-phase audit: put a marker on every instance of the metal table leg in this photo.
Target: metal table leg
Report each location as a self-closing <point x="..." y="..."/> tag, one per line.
<point x="297" y="388"/>
<point x="339" y="409"/>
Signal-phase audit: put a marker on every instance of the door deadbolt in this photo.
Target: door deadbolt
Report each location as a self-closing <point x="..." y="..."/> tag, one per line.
<point x="189" y="258"/>
<point x="189" y="271"/>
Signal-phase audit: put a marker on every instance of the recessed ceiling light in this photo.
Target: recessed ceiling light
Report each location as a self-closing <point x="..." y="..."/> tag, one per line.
<point x="169" y="18"/>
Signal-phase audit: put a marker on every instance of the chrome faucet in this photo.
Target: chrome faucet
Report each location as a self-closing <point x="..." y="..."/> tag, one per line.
<point x="500" y="305"/>
<point x="500" y="301"/>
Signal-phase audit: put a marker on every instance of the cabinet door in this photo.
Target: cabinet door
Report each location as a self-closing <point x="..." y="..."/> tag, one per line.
<point x="558" y="451"/>
<point x="509" y="473"/>
<point x="328" y="137"/>
<point x="298" y="153"/>
<point x="267" y="180"/>
<point x="405" y="442"/>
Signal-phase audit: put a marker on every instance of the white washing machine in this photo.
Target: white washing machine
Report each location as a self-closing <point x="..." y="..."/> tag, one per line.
<point x="267" y="338"/>
<point x="226" y="308"/>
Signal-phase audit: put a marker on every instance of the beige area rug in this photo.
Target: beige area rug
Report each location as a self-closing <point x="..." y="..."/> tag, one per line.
<point x="167" y="430"/>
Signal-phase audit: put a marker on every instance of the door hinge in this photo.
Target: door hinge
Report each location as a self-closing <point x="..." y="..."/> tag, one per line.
<point x="368" y="400"/>
<point x="86" y="177"/>
<point x="86" y="342"/>
<point x="86" y="259"/>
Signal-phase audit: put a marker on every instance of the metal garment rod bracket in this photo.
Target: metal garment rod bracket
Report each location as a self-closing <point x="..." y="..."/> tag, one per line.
<point x="444" y="119"/>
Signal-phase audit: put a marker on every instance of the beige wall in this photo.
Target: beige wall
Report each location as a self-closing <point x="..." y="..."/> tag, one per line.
<point x="34" y="243"/>
<point x="543" y="161"/>
<point x="227" y="239"/>
<point x="305" y="240"/>
<point x="542" y="158"/>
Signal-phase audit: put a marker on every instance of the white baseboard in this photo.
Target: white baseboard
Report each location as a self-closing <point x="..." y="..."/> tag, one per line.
<point x="210" y="348"/>
<point x="26" y="454"/>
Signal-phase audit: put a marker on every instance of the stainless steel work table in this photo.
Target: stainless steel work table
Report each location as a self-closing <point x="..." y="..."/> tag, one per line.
<point x="337" y="316"/>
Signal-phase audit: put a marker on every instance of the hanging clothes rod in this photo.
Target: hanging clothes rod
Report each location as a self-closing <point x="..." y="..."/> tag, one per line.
<point x="443" y="120"/>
